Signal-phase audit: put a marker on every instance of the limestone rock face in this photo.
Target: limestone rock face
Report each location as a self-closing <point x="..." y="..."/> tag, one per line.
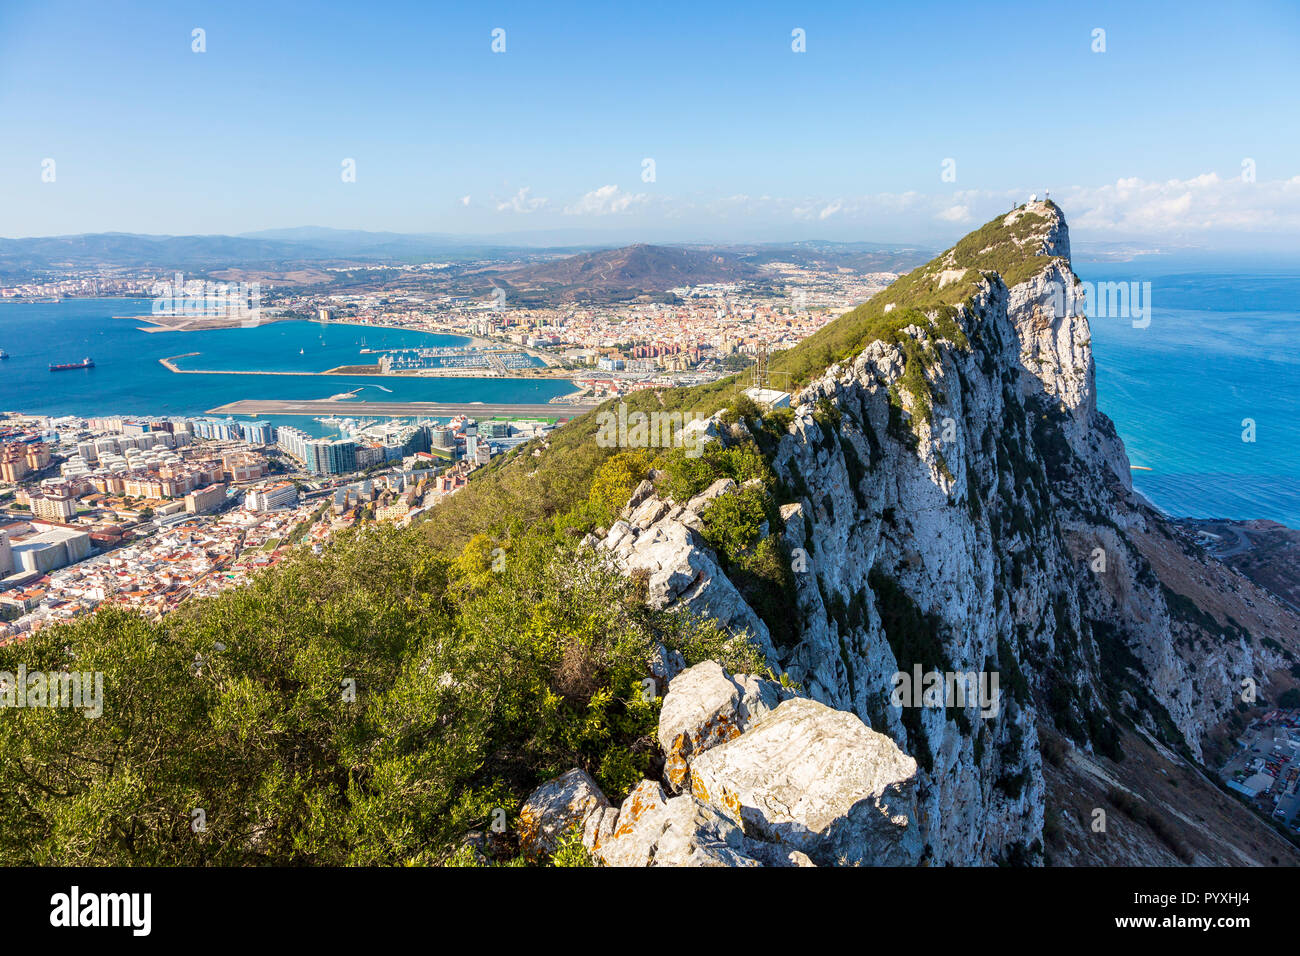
<point x="662" y="541"/>
<point x="559" y="805"/>
<point x="787" y="783"/>
<point x="705" y="707"/>
<point x="987" y="523"/>
<point x="817" y="781"/>
<point x="666" y="664"/>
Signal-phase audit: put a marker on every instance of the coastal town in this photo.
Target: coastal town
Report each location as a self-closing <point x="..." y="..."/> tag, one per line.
<point x="689" y="334"/>
<point x="144" y="513"/>
<point x="706" y="331"/>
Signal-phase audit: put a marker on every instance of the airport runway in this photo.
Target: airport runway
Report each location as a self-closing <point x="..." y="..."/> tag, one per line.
<point x="315" y="407"/>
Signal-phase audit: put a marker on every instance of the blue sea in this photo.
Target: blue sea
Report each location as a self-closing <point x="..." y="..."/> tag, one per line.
<point x="128" y="379"/>
<point x="1221" y="348"/>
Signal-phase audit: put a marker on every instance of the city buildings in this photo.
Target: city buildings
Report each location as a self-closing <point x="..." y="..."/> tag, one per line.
<point x="203" y="500"/>
<point x="337" y="456"/>
<point x="56" y="508"/>
<point x="319" y="456"/>
<point x="258" y="433"/>
<point x="142" y="512"/>
<point x="279" y="495"/>
<point x="50" y="549"/>
<point x="239" y="467"/>
<point x="20" y="458"/>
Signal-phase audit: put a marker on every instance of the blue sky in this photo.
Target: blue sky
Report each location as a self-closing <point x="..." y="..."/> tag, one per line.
<point x="1144" y="142"/>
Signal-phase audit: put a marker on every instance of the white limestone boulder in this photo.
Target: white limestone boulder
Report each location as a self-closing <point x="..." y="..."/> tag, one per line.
<point x="661" y="541"/>
<point x="557" y="806"/>
<point x="666" y="664"/>
<point x="819" y="781"/>
<point x="706" y="706"/>
<point x="653" y="830"/>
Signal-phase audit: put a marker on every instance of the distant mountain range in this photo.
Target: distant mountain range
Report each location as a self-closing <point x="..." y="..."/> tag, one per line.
<point x="569" y="273"/>
<point x="279" y="249"/>
<point x="128" y="251"/>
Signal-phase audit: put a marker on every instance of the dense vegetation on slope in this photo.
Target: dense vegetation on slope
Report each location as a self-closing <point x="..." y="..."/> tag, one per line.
<point x="476" y="678"/>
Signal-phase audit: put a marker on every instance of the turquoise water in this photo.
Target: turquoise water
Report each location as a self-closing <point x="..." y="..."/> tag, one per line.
<point x="1221" y="348"/>
<point x="128" y="378"/>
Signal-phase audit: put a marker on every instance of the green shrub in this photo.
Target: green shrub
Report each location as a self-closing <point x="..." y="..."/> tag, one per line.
<point x="474" y="682"/>
<point x="732" y="523"/>
<point x="570" y="851"/>
<point x="616" y="479"/>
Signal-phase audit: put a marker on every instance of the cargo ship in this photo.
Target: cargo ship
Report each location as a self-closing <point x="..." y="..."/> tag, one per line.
<point x="84" y="363"/>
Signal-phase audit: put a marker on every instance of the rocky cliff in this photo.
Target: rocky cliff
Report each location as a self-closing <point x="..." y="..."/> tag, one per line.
<point x="959" y="505"/>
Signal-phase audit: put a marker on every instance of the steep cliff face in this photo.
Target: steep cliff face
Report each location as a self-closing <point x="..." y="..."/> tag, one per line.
<point x="959" y="504"/>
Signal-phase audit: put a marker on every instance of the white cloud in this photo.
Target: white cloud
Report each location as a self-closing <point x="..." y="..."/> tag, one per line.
<point x="1191" y="209"/>
<point x="521" y="202"/>
<point x="1130" y="207"/>
<point x="605" y="201"/>
<point x="860" y="208"/>
<point x="830" y="210"/>
<point x="1201" y="204"/>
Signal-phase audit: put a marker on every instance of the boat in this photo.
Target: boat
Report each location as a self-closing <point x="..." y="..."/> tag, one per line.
<point x="3" y="354"/>
<point x="84" y="363"/>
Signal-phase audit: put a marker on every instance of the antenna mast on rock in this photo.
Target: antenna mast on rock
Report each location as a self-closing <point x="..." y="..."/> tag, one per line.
<point x="762" y="374"/>
<point x="760" y="366"/>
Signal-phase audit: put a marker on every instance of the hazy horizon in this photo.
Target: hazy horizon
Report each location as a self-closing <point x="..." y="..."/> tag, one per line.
<point x="1272" y="251"/>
